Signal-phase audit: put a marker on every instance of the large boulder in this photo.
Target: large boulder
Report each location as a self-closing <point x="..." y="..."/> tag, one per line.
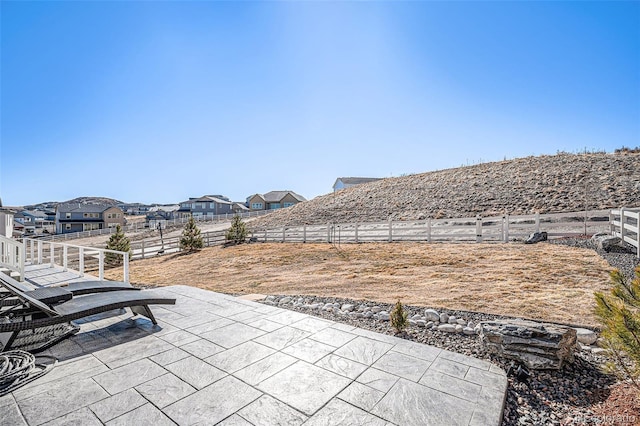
<point x="537" y="345"/>
<point x="606" y="242"/>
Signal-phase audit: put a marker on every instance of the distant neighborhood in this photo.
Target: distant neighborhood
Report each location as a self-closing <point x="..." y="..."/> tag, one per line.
<point x="69" y="217"/>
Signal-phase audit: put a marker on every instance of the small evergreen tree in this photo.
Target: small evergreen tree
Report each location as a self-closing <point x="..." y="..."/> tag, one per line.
<point x="119" y="242"/>
<point x="619" y="313"/>
<point x="237" y="234"/>
<point x="191" y="240"/>
<point x="398" y="318"/>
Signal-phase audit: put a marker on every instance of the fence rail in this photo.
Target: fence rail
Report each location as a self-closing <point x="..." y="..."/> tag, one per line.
<point x="79" y="258"/>
<point x="157" y="246"/>
<point x="625" y="223"/>
<point x="152" y="224"/>
<point x="478" y="229"/>
<point x="12" y="257"/>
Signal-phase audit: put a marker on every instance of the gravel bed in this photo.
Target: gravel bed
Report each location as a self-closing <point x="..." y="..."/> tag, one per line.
<point x="548" y="397"/>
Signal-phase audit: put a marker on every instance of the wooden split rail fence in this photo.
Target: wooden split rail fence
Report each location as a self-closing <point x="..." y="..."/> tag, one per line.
<point x="625" y="223"/>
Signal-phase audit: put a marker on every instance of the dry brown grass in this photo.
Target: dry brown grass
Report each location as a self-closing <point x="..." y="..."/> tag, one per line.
<point x="542" y="281"/>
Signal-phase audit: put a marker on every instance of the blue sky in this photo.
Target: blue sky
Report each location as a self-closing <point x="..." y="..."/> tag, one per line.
<point x="160" y="101"/>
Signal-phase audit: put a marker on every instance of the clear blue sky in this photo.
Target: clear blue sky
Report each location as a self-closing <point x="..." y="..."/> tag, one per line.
<point x="159" y="101"/>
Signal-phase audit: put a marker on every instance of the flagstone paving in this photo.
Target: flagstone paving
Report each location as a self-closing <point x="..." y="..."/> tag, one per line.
<point x="216" y="359"/>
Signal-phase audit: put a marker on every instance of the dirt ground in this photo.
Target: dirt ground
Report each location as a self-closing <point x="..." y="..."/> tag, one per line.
<point x="542" y="281"/>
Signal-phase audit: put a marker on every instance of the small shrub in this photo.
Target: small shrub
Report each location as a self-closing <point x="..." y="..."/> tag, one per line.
<point x="118" y="242"/>
<point x="191" y="240"/>
<point x="619" y="313"/>
<point x="237" y="234"/>
<point x="398" y="317"/>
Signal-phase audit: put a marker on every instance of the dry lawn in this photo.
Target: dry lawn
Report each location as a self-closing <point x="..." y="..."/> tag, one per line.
<point x="542" y="281"/>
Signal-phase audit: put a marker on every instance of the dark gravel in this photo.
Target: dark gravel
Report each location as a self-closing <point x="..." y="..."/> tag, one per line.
<point x="549" y="397"/>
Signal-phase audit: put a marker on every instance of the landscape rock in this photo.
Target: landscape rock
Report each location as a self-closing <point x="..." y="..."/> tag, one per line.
<point x="376" y="309"/>
<point x="431" y="315"/>
<point x="607" y="242"/>
<point x="469" y="331"/>
<point x="586" y="336"/>
<point x="537" y="345"/>
<point x="536" y="237"/>
<point x="449" y="328"/>
<point x="347" y="307"/>
<point x="444" y="318"/>
<point x="284" y="300"/>
<point x="384" y="316"/>
<point x="452" y="320"/>
<point x="459" y="328"/>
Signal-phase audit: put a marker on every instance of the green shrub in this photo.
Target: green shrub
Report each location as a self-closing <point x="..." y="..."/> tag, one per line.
<point x="619" y="313"/>
<point x="398" y="317"/>
<point x="237" y="234"/>
<point x="118" y="242"/>
<point x="191" y="240"/>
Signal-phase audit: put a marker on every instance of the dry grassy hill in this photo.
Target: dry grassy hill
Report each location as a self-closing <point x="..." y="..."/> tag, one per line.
<point x="545" y="184"/>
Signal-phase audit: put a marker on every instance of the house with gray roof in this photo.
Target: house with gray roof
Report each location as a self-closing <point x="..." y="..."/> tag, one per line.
<point x="274" y="200"/>
<point x="347" y="182"/>
<point x="77" y="217"/>
<point x="207" y="205"/>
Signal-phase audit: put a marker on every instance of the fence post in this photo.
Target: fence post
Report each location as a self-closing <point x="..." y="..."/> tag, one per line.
<point x="304" y="233"/>
<point x="64" y="258"/>
<point x="52" y="255"/>
<point x="283" y="233"/>
<point x="478" y="229"/>
<point x="126" y="267"/>
<point x="622" y="222"/>
<point x="638" y="235"/>
<point x="81" y="261"/>
<point x="537" y="221"/>
<point x="31" y="250"/>
<point x="23" y="254"/>
<point x="39" y="252"/>
<point x="101" y="265"/>
<point x="265" y="235"/>
<point x="390" y="230"/>
<point x="356" y="231"/>
<point x="506" y="228"/>
<point x="429" y="230"/>
<point x="328" y="232"/>
<point x="612" y="229"/>
<point x="142" y="249"/>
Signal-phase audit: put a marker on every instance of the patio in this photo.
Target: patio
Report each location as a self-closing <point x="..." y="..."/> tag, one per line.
<point x="217" y="359"/>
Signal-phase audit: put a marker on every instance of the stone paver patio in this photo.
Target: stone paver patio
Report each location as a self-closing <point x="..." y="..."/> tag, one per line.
<point x="216" y="359"/>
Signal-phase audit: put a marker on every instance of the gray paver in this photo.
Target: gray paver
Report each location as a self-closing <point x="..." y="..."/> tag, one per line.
<point x="333" y="337"/>
<point x="144" y="415"/>
<point x="179" y="338"/>
<point x="81" y="417"/>
<point x="10" y="412"/>
<point x="58" y="402"/>
<point x="282" y="337"/>
<point x="167" y="357"/>
<point x="451" y="385"/>
<point x="234" y="420"/>
<point x="378" y="379"/>
<point x="304" y="386"/>
<point x="119" y="355"/>
<point x="487" y="379"/>
<point x="308" y="350"/>
<point x="202" y="348"/>
<point x="413" y="404"/>
<point x="196" y="372"/>
<point x="338" y="412"/>
<point x="232" y="335"/>
<point x="117" y="405"/>
<point x="451" y="368"/>
<point x="311" y="324"/>
<point x="269" y="411"/>
<point x="265" y="368"/>
<point x="165" y="390"/>
<point x="239" y="357"/>
<point x="213" y="403"/>
<point x="128" y="376"/>
<point x="266" y="325"/>
<point x="402" y="365"/>
<point x="342" y="366"/>
<point x="363" y="350"/>
<point x="361" y="396"/>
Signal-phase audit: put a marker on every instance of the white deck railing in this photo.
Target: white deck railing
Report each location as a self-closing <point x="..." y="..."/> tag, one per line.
<point x="72" y="257"/>
<point x="12" y="256"/>
<point x="625" y="223"/>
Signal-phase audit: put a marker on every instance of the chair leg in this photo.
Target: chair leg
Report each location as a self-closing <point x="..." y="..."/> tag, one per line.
<point x="145" y="311"/>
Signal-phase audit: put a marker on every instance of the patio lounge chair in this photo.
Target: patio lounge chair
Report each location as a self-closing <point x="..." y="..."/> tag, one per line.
<point x="34" y="324"/>
<point x="57" y="294"/>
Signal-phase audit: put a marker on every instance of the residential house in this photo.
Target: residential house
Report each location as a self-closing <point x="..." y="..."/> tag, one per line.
<point x="207" y="205"/>
<point x="239" y="207"/>
<point x="31" y="222"/>
<point x="77" y="217"/>
<point x="347" y="182"/>
<point x="274" y="200"/>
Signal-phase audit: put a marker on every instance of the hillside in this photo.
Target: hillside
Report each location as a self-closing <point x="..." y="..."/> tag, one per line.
<point x="78" y="200"/>
<point x="545" y="184"/>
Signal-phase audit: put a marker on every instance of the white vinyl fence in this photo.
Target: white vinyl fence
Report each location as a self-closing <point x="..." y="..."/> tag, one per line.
<point x="478" y="229"/>
<point x="625" y="223"/>
<point x="153" y="224"/>
<point x="157" y="246"/>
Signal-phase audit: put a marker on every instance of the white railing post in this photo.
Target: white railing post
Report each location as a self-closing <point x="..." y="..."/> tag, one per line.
<point x="142" y="249"/>
<point x="328" y="232"/>
<point x="612" y="217"/>
<point x="81" y="261"/>
<point x="39" y="252"/>
<point x="478" y="229"/>
<point x="23" y="254"/>
<point x="126" y="266"/>
<point x="622" y="223"/>
<point x="428" y="229"/>
<point x="52" y="254"/>
<point x="506" y="228"/>
<point x="265" y="235"/>
<point x="537" y="221"/>
<point x="390" y="230"/>
<point x="64" y="258"/>
<point x="304" y="233"/>
<point x="101" y="265"/>
<point x="356" y="232"/>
